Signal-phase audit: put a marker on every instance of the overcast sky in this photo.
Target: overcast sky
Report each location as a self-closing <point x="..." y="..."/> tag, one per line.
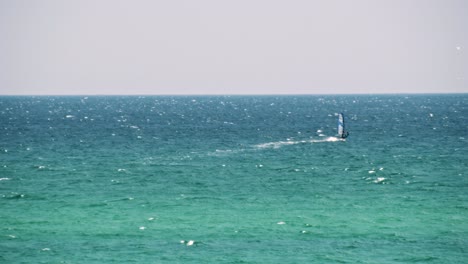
<point x="233" y="46"/>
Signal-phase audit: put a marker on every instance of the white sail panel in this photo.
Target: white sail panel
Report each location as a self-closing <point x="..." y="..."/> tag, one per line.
<point x="340" y="125"/>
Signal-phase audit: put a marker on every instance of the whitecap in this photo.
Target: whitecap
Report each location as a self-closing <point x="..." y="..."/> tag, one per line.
<point x="334" y="139"/>
<point x="328" y="139"/>
<point x="379" y="179"/>
<point x="69" y="116"/>
<point x="4" y="179"/>
<point x="281" y="223"/>
<point x="190" y="243"/>
<point x="142" y="228"/>
<point x="223" y="150"/>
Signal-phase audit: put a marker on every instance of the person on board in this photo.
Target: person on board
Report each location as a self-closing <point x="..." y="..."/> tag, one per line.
<point x="345" y="135"/>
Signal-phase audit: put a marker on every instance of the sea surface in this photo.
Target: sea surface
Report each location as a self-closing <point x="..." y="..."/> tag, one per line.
<point x="234" y="179"/>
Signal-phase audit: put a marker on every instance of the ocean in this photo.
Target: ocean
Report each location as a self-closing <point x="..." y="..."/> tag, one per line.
<point x="234" y="179"/>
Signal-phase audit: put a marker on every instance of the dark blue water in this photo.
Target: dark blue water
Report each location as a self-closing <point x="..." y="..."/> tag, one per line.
<point x="234" y="179"/>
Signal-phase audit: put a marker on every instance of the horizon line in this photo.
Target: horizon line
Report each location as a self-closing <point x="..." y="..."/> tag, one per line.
<point x="241" y="94"/>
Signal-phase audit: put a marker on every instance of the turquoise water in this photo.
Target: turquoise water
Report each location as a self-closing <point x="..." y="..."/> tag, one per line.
<point x="234" y="179"/>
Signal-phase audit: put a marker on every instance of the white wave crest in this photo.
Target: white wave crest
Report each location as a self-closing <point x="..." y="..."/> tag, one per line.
<point x="279" y="144"/>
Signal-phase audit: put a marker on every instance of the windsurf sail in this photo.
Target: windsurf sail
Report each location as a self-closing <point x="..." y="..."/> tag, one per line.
<point x="342" y="133"/>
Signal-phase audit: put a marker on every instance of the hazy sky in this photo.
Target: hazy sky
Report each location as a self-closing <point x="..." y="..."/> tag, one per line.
<point x="233" y="46"/>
